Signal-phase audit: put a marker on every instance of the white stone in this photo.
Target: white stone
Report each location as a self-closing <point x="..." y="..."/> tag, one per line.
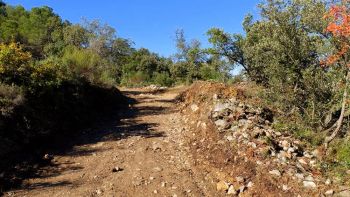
<point x="241" y="189"/>
<point x="230" y="138"/>
<point x="329" y="192"/>
<point x="309" y="184"/>
<point x="194" y="107"/>
<point x="231" y="190"/>
<point x="291" y="150"/>
<point x="275" y="172"/>
<point x="312" y="163"/>
<point x="285" y="187"/>
<point x="250" y="184"/>
<point x="302" y="161"/>
<point x="253" y="145"/>
<point x="98" y="192"/>
<point x="221" y="123"/>
<point x="299" y="175"/>
<point x="309" y="178"/>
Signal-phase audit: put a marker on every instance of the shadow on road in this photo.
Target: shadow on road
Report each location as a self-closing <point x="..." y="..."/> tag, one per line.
<point x="116" y="126"/>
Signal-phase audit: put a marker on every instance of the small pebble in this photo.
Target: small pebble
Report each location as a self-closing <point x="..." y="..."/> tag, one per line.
<point x="231" y="190"/>
<point x="250" y="184"/>
<point x="329" y="192"/>
<point x="275" y="172"/>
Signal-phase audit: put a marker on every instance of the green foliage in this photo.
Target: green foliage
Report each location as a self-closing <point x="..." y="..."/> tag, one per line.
<point x="343" y="153"/>
<point x="282" y="52"/>
<point x="76" y="35"/>
<point x="144" y="67"/>
<point x="338" y="162"/>
<point x="194" y="63"/>
<point x="46" y="73"/>
<point x="136" y="78"/>
<point x="163" y="79"/>
<point x="228" y="46"/>
<point x="306" y="135"/>
<point x="14" y="64"/>
<point x="86" y="65"/>
<point x="209" y="73"/>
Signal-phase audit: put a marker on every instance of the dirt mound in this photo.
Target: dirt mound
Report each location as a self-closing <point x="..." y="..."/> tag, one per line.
<point x="232" y="139"/>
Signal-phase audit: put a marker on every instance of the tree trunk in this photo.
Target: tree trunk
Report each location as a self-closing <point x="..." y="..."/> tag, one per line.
<point x="339" y="122"/>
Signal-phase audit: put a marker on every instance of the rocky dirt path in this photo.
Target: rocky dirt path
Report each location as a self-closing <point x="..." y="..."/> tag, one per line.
<point x="141" y="155"/>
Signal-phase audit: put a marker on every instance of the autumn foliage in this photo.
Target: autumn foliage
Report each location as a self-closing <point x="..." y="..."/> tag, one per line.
<point x="339" y="27"/>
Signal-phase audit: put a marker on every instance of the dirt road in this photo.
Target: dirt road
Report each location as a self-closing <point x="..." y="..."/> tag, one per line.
<point x="140" y="155"/>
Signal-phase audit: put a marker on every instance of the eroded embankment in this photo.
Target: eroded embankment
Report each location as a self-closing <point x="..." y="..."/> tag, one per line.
<point x="234" y="140"/>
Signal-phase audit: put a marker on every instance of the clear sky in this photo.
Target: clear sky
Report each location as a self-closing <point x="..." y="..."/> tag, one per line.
<point x="152" y="23"/>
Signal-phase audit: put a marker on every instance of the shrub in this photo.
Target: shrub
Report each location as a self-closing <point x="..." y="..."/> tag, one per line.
<point x="14" y="64"/>
<point x="47" y="73"/>
<point x="343" y="153"/>
<point x="86" y="65"/>
<point x="163" y="79"/>
<point x="135" y="79"/>
<point x="208" y="73"/>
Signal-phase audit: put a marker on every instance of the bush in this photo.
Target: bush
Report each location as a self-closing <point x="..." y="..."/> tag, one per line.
<point x="163" y="79"/>
<point x="208" y="73"/>
<point x="47" y="73"/>
<point x="14" y="64"/>
<point x="86" y="65"/>
<point x="135" y="79"/>
<point x="343" y="153"/>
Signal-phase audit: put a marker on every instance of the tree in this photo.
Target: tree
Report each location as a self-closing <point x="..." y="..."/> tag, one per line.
<point x="282" y="51"/>
<point x="339" y="28"/>
<point x="41" y="30"/>
<point x="10" y="23"/>
<point x="228" y="46"/>
<point x="181" y="45"/>
<point x="14" y="64"/>
<point x="76" y="35"/>
<point x="101" y="37"/>
<point x="189" y="58"/>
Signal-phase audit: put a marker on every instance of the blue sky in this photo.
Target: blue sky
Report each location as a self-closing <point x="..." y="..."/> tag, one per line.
<point x="152" y="23"/>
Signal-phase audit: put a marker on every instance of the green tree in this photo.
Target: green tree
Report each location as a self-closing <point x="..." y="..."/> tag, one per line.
<point x="76" y="35"/>
<point x="41" y="30"/>
<point x="14" y="64"/>
<point x="282" y="52"/>
<point x="228" y="46"/>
